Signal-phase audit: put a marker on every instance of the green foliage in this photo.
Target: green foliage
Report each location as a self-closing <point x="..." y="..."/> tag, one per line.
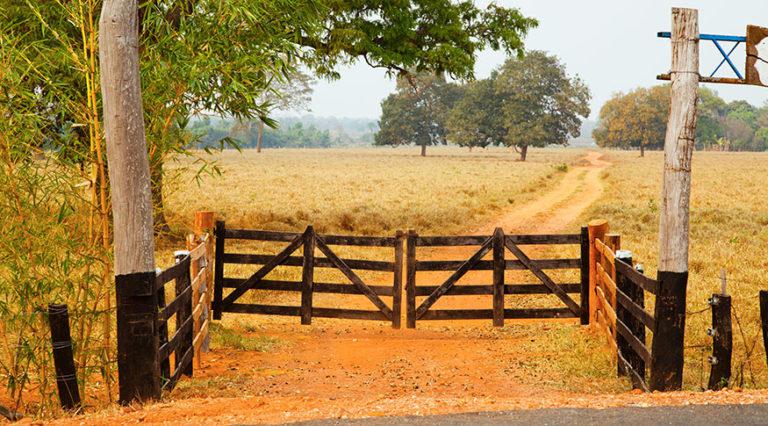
<point x="434" y="36"/>
<point x="47" y="254"/>
<point x="417" y="112"/>
<point x="528" y="101"/>
<point x="639" y="119"/>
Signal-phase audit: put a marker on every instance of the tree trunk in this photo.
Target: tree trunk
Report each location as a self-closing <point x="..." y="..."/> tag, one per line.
<point x="158" y="204"/>
<point x="642" y="150"/>
<point x="523" y="152"/>
<point x="260" y="138"/>
<point x="129" y="175"/>
<point x="424" y="150"/>
<point x="679" y="141"/>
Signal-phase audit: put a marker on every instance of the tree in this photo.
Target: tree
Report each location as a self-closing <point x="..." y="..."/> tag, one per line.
<point x="528" y="101"/>
<point x="476" y="119"/>
<point x="637" y="119"/>
<point x="416" y="113"/>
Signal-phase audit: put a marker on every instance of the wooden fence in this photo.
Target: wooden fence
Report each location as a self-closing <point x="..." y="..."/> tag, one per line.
<point x="498" y="244"/>
<point x="619" y="292"/>
<point x="308" y="261"/>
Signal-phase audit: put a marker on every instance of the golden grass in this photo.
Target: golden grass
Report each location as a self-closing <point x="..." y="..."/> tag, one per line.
<point x="367" y="191"/>
<point x="728" y="218"/>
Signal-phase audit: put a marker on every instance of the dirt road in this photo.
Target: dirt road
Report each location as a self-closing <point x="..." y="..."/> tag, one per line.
<point x="337" y="369"/>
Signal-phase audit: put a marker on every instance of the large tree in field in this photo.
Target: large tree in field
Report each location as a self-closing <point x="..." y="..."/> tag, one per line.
<point x="637" y="119"/>
<point x="541" y="104"/>
<point x="528" y="101"/>
<point x="416" y="113"/>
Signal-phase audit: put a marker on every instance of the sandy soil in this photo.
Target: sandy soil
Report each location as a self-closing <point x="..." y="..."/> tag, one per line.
<point x="338" y="369"/>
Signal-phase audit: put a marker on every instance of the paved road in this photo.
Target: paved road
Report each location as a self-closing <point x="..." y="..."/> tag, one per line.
<point x="628" y="416"/>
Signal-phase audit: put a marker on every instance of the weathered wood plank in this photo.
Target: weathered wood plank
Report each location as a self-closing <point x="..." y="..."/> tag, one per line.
<point x="498" y="278"/>
<point x="633" y="341"/>
<point x="525" y="260"/>
<point x="487" y="265"/>
<point x="253" y="234"/>
<point x="165" y="350"/>
<point x="307" y="275"/>
<point x="487" y="289"/>
<point x="641" y="314"/>
<point x="584" y="273"/>
<point x="243" y="308"/>
<point x="648" y="284"/>
<point x="463" y="269"/>
<point x="366" y="241"/>
<point x="320" y="262"/>
<point x="263" y="271"/>
<point x="351" y="276"/>
<point x="334" y="288"/>
<point x="172" y="272"/>
<point x="410" y="280"/>
<point x="607" y="309"/>
<point x="397" y="278"/>
<point x="477" y="240"/>
<point x="349" y="314"/>
<point x="475" y="314"/>
<point x="177" y="303"/>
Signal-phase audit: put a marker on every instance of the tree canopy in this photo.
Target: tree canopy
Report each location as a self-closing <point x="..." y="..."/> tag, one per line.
<point x="528" y="101"/>
<point x="638" y="119"/>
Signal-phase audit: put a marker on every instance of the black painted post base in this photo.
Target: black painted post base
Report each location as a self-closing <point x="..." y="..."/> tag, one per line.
<point x="667" y="350"/>
<point x="63" y="361"/>
<point x="137" y="337"/>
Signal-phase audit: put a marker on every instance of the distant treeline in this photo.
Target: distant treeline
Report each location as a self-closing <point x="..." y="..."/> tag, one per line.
<point x="307" y="131"/>
<point x="638" y="119"/>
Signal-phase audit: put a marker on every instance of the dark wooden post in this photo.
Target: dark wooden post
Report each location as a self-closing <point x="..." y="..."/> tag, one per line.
<point x="184" y="313"/>
<point x="584" y="298"/>
<point x="722" y="342"/>
<point x="308" y="275"/>
<point x="218" y="279"/>
<point x="498" y="277"/>
<point x="764" y="319"/>
<point x="63" y="362"/>
<point x="667" y="350"/>
<point x="634" y="324"/>
<point x="410" y="284"/>
<point x="138" y="366"/>
<point x="165" y="364"/>
<point x="397" y="278"/>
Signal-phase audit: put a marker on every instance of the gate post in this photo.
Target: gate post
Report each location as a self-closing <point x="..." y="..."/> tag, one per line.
<point x="635" y="326"/>
<point x="596" y="229"/>
<point x="410" y="283"/>
<point x="397" y="290"/>
<point x="722" y="342"/>
<point x="498" y="277"/>
<point x="218" y="280"/>
<point x="64" y="364"/>
<point x="138" y="367"/>
<point x="307" y="275"/>
<point x="584" y="297"/>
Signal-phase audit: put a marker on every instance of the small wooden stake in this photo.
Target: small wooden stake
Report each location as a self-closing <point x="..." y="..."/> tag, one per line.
<point x="722" y="342"/>
<point x="66" y="376"/>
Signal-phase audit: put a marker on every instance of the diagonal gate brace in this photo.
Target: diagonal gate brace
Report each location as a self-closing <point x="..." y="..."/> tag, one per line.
<point x="526" y="261"/>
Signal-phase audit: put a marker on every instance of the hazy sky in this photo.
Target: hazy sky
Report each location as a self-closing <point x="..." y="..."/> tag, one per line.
<point x="612" y="45"/>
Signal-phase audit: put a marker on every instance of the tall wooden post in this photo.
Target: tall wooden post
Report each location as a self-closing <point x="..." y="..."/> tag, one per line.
<point x="667" y="362"/>
<point x="129" y="178"/>
<point x="596" y="230"/>
<point x="308" y="275"/>
<point x="397" y="278"/>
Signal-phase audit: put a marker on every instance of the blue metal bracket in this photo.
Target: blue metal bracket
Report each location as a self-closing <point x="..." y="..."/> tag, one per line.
<point x="716" y="39"/>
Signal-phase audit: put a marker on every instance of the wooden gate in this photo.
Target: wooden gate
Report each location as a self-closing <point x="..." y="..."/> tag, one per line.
<point x="310" y="241"/>
<point x="499" y="244"/>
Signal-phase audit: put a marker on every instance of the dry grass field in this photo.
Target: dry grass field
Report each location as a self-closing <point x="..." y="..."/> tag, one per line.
<point x="368" y="191"/>
<point x="378" y="191"/>
<point x="729" y="214"/>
